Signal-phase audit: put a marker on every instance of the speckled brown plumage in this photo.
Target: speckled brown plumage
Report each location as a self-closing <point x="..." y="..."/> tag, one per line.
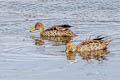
<point x="93" y="45"/>
<point x="57" y="30"/>
<point x="89" y="45"/>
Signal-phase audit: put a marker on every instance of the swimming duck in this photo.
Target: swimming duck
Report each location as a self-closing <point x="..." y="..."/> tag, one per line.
<point x="88" y="45"/>
<point x="57" y="30"/>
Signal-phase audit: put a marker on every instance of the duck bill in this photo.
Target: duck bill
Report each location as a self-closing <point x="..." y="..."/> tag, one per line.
<point x="33" y="29"/>
<point x="67" y="51"/>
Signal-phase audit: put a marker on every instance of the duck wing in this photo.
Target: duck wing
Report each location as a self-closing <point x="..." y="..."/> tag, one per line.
<point x="95" y="43"/>
<point x="59" y="27"/>
<point x="90" y="42"/>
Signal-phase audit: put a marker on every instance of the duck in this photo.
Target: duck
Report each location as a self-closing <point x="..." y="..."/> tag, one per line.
<point x="55" y="31"/>
<point x="88" y="45"/>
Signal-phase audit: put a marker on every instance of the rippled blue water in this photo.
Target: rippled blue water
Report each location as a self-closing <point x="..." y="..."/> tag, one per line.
<point x="21" y="59"/>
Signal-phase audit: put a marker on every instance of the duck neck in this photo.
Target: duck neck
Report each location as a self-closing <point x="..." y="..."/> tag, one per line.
<point x="74" y="48"/>
<point x="41" y="29"/>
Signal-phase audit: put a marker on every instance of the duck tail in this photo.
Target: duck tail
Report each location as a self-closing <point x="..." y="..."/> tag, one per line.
<point x="109" y="41"/>
<point x="100" y="37"/>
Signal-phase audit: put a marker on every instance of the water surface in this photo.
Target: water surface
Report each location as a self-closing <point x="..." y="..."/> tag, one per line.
<point x="21" y="59"/>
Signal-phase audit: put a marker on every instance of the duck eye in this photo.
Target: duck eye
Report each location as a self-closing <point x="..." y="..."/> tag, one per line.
<point x="39" y="24"/>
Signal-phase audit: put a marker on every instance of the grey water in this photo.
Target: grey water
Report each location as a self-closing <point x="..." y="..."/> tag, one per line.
<point x="22" y="59"/>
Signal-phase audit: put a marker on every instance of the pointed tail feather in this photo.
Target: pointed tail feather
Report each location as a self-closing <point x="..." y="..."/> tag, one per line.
<point x="99" y="37"/>
<point x="109" y="41"/>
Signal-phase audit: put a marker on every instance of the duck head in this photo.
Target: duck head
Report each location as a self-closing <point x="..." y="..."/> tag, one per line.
<point x="38" y="26"/>
<point x="70" y="47"/>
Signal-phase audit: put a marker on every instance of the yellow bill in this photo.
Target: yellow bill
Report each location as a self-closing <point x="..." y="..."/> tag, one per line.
<point x="67" y="51"/>
<point x="33" y="29"/>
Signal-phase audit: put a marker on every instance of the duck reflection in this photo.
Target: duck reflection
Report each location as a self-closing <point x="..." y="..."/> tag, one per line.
<point x="57" y="40"/>
<point x="97" y="55"/>
<point x="71" y="56"/>
<point x="38" y="41"/>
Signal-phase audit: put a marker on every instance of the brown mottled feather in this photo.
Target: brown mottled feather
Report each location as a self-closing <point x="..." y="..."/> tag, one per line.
<point x="93" y="44"/>
<point x="90" y="45"/>
<point x="57" y="30"/>
<point x="59" y="27"/>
